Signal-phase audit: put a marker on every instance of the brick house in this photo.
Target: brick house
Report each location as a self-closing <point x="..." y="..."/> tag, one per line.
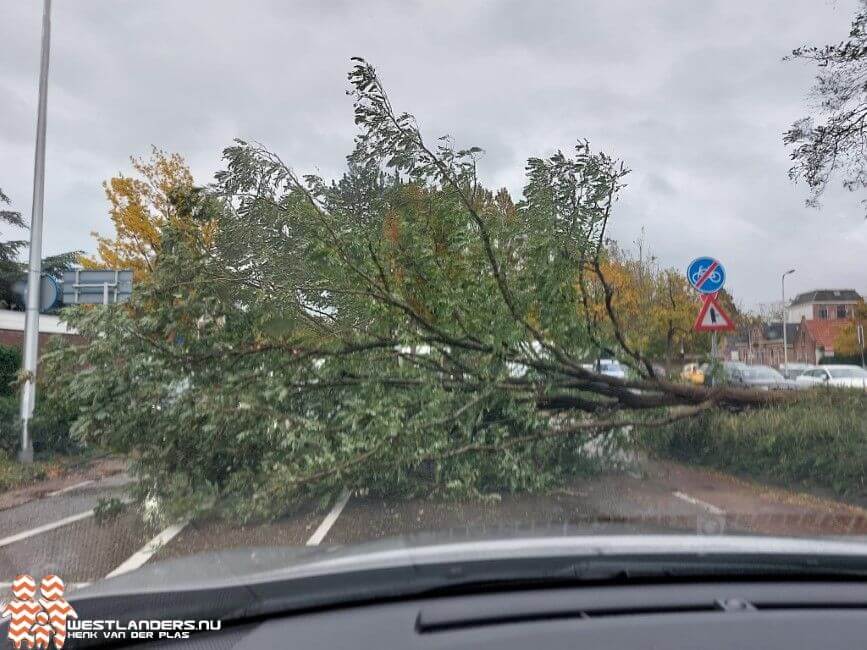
<point x="761" y="344"/>
<point x="823" y="304"/>
<point x="815" y="319"/>
<point x="815" y="339"/>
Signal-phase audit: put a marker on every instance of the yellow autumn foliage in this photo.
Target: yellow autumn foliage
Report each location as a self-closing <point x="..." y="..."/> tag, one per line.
<point x="654" y="307"/>
<point x="140" y="206"/>
<point x="846" y="344"/>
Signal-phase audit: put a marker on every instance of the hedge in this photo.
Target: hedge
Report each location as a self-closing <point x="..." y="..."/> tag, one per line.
<point x="50" y="428"/>
<point x="10" y="362"/>
<point x="821" y="439"/>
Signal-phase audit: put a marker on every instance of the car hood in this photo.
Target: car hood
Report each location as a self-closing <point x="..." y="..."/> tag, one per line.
<point x="250" y="566"/>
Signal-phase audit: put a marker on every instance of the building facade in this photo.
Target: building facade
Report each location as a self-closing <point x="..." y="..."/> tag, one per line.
<point x="12" y="329"/>
<point x="761" y="344"/>
<point x="815" y="339"/>
<point x="823" y="304"/>
<point x="815" y="320"/>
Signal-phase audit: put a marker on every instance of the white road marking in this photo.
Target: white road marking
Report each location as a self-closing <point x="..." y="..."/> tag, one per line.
<point x="698" y="502"/>
<point x="69" y="488"/>
<point x="146" y="552"/>
<point x="17" y="537"/>
<point x="320" y="533"/>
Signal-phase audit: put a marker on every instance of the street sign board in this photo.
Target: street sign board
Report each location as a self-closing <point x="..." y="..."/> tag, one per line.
<point x="49" y="292"/>
<point x="711" y="317"/>
<point x="82" y="287"/>
<point x="706" y="275"/>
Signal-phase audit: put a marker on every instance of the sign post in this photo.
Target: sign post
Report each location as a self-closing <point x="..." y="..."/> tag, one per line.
<point x="708" y="276"/>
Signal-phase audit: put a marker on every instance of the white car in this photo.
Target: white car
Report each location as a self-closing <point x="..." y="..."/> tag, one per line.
<point x="795" y="370"/>
<point x="610" y="368"/>
<point x="842" y="376"/>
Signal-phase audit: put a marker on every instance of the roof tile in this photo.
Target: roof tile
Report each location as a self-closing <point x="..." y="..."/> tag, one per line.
<point x="825" y="332"/>
<point x="826" y="295"/>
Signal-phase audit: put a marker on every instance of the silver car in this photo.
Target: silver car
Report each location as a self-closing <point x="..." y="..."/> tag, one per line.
<point x="841" y="376"/>
<point x="794" y="370"/>
<point x="761" y="377"/>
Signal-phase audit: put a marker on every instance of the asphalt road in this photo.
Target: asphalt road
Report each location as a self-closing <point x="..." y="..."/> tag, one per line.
<point x="58" y="534"/>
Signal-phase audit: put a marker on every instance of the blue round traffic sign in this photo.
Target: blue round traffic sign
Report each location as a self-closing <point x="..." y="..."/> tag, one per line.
<point x="706" y="274"/>
<point x="49" y="292"/>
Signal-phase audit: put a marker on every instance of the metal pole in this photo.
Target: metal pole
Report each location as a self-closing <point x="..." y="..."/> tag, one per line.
<point x="785" y="321"/>
<point x="860" y="331"/>
<point x="713" y="357"/>
<point x="31" y="320"/>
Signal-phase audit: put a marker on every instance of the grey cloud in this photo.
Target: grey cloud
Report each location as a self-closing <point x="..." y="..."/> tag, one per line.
<point x="693" y="95"/>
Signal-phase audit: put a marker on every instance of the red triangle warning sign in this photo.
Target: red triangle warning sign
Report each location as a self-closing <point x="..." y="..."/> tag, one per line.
<point x="711" y="317"/>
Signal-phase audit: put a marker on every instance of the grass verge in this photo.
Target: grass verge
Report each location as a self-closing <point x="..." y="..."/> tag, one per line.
<point x="820" y="439"/>
<point x="16" y="475"/>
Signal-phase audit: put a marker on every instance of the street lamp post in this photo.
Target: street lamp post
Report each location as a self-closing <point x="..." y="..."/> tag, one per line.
<point x="785" y="321"/>
<point x="859" y="330"/>
<point x="34" y="271"/>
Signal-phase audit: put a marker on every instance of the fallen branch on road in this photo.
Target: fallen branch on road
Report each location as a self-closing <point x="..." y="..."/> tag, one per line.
<point x="599" y="426"/>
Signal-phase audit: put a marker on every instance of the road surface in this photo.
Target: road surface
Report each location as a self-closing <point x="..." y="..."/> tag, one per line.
<point x="58" y="533"/>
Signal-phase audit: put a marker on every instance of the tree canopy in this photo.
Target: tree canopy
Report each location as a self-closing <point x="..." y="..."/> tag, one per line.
<point x="140" y="208"/>
<point x="12" y="269"/>
<point x="401" y="329"/>
<point x="832" y="140"/>
<point x="656" y="306"/>
<point x="846" y="343"/>
<point x="9" y="250"/>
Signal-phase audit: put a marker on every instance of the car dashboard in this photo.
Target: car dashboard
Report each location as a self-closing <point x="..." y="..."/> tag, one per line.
<point x="712" y="615"/>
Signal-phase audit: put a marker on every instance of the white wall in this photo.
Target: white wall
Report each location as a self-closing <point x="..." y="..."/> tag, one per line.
<point x="795" y="313"/>
<point x="14" y="320"/>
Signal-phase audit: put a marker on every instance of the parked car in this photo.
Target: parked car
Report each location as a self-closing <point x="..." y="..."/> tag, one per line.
<point x="795" y="370"/>
<point x="611" y="368"/>
<point x="692" y="373"/>
<point x="762" y="377"/>
<point x="841" y="376"/>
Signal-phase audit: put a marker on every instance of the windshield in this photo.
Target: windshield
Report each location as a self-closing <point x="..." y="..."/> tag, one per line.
<point x="315" y="275"/>
<point x="848" y="373"/>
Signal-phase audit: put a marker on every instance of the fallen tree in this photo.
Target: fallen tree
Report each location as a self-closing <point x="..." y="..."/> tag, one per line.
<point x="402" y="329"/>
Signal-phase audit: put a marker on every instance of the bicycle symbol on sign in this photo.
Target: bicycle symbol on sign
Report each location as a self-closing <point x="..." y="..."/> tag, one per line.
<point x="706" y="275"/>
<point x="715" y="277"/>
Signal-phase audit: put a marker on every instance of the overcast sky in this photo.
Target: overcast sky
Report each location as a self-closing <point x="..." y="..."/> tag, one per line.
<point x="693" y="95"/>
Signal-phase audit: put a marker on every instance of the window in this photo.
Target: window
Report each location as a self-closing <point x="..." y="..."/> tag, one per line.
<point x="823" y="313"/>
<point x="841" y="311"/>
